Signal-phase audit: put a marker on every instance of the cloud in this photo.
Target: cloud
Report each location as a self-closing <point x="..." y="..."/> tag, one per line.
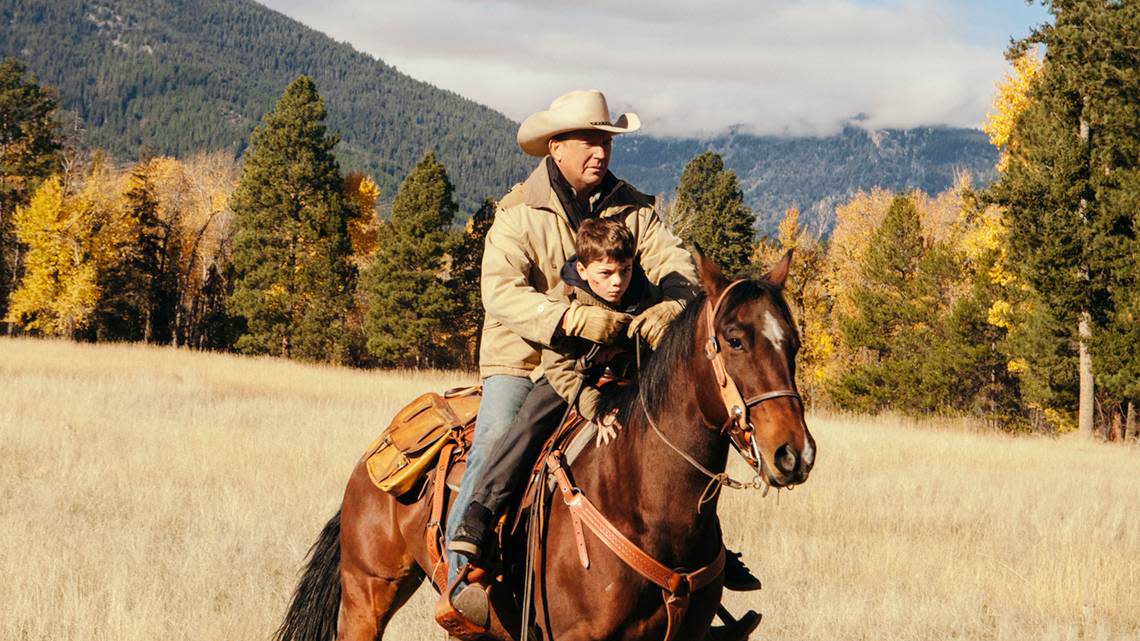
<point x="761" y="66"/>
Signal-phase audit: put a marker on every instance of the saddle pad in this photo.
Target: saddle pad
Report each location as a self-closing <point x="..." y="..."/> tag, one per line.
<point x="409" y="447"/>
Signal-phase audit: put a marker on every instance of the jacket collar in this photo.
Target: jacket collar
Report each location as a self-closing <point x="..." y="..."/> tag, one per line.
<point x="540" y="195"/>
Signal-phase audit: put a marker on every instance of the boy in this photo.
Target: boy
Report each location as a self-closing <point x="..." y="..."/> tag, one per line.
<point x="602" y="272"/>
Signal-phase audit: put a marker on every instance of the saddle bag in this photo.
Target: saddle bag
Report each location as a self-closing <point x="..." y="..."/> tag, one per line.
<point x="409" y="447"/>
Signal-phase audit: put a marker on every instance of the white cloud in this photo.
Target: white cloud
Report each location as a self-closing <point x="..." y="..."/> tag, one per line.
<point x="687" y="68"/>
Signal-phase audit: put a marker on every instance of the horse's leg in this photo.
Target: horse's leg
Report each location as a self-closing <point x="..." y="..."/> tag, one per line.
<point x="378" y="568"/>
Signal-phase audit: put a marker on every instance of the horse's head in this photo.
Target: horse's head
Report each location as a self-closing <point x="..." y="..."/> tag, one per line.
<point x="751" y="343"/>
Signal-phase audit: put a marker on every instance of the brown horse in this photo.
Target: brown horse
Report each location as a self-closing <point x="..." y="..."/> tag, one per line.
<point x="371" y="557"/>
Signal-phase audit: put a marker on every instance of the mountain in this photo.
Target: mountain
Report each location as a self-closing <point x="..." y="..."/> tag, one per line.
<point x="814" y="174"/>
<point x="178" y="76"/>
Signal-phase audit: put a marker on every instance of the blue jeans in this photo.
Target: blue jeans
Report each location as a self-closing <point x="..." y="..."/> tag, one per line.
<point x="503" y="395"/>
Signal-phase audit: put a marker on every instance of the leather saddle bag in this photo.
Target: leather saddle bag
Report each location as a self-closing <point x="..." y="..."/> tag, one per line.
<point x="409" y="447"/>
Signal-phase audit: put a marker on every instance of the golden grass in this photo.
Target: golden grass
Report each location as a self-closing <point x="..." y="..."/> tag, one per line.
<point x="163" y="494"/>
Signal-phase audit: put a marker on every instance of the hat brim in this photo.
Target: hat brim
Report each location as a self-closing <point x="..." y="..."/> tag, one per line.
<point x="537" y="130"/>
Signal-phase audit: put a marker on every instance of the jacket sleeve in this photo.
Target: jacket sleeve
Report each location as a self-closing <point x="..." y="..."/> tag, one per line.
<point x="508" y="295"/>
<point x="559" y="370"/>
<point x="664" y="258"/>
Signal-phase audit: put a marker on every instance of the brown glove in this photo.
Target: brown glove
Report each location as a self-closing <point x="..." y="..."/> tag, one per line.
<point x="593" y="323"/>
<point x="651" y="323"/>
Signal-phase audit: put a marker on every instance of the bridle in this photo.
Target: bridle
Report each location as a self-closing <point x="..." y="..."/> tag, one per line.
<point x="738" y="425"/>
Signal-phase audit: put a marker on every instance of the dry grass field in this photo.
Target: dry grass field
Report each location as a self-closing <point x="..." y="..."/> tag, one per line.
<point x="162" y="494"/>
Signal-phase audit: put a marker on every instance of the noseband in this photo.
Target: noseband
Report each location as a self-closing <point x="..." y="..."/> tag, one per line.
<point x="738" y="425"/>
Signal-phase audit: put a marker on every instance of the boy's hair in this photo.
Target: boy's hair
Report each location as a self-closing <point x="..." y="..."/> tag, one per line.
<point x="600" y="238"/>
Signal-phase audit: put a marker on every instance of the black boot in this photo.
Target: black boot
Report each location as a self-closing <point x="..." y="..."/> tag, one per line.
<point x="733" y="629"/>
<point x="472" y="532"/>
<point x="736" y="575"/>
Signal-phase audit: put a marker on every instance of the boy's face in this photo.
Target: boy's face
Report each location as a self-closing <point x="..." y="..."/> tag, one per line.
<point x="607" y="278"/>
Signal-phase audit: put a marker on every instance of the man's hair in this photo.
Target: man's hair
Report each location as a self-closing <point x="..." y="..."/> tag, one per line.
<point x="600" y="238"/>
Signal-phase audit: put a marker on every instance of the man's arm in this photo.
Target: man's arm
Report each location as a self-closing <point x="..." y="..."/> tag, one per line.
<point x="664" y="258"/>
<point x="508" y="295"/>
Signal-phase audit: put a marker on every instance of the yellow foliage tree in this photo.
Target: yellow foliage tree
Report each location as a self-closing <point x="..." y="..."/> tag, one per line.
<point x="1010" y="100"/>
<point x="58" y="292"/>
<point x="363" y="227"/>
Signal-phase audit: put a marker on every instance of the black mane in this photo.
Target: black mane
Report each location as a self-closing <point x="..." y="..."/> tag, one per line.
<point x="676" y="350"/>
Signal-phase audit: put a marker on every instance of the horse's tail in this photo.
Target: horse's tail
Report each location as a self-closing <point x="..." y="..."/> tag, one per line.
<point x="312" y="614"/>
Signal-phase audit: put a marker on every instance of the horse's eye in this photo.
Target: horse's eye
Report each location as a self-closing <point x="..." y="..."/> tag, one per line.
<point x="735" y="343"/>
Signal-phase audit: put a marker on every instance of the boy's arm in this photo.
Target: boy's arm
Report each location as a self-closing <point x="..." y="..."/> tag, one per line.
<point x="559" y="370"/>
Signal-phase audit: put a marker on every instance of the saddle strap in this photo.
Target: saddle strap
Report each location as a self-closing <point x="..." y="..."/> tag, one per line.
<point x="676" y="587"/>
<point x="433" y="531"/>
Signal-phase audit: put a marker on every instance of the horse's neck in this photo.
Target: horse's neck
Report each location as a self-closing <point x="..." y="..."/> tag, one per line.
<point x="641" y="481"/>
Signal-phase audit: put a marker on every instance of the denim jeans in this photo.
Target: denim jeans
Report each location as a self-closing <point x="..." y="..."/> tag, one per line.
<point x="503" y="395"/>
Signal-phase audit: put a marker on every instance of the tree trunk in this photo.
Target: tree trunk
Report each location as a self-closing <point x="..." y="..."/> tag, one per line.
<point x="1114" y="433"/>
<point x="1085" y="410"/>
<point x="1131" y="429"/>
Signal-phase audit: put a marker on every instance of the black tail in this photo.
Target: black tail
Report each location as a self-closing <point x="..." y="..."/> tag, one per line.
<point x="316" y="603"/>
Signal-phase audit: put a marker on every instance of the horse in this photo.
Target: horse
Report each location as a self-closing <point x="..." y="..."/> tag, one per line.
<point x="723" y="376"/>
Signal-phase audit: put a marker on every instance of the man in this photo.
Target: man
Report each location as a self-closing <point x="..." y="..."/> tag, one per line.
<point x="530" y="240"/>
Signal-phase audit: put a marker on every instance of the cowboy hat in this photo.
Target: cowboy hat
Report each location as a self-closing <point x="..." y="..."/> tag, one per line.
<point x="574" y="111"/>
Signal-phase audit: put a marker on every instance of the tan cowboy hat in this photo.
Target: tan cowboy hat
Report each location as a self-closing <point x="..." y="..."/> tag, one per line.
<point x="574" y="111"/>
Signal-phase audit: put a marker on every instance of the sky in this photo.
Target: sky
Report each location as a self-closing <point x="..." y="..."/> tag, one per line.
<point x="795" y="67"/>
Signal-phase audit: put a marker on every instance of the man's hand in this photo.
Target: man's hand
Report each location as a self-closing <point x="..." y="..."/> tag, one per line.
<point x="651" y="323"/>
<point x="608" y="428"/>
<point x="593" y="323"/>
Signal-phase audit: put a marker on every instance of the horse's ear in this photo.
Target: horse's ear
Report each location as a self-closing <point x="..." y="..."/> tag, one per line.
<point x="778" y="275"/>
<point x="712" y="278"/>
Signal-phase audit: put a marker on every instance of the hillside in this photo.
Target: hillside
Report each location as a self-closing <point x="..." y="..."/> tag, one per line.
<point x="173" y="495"/>
<point x="178" y="76"/>
<point x="815" y="174"/>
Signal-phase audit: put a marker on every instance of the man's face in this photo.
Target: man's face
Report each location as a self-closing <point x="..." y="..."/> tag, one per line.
<point x="583" y="157"/>
<point x="607" y="278"/>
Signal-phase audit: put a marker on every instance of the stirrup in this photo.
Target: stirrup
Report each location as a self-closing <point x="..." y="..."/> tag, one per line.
<point x="457" y="623"/>
<point x="734" y="629"/>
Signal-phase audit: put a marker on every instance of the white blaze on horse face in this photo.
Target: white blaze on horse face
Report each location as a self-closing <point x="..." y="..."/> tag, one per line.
<point x="772" y="330"/>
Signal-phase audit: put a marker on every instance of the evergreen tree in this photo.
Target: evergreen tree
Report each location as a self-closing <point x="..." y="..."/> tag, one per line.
<point x="1068" y="187"/>
<point x="891" y="322"/>
<point x="409" y="303"/>
<point x="139" y="287"/>
<point x="712" y="212"/>
<point x="29" y="153"/>
<point x="291" y="275"/>
<point x="466" y="270"/>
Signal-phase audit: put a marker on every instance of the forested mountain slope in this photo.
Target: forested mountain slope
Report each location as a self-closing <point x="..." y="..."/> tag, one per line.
<point x="179" y="76"/>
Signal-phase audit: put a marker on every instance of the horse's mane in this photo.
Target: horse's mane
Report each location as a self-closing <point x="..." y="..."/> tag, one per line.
<point x="675" y="350"/>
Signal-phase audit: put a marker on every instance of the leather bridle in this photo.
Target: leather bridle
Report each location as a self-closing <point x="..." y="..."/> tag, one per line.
<point x="738" y="425"/>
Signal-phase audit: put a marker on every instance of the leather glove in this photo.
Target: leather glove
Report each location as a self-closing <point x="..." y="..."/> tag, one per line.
<point x="651" y="323"/>
<point x="593" y="323"/>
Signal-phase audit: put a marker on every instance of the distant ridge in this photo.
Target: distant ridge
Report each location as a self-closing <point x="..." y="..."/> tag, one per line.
<point x="179" y="76"/>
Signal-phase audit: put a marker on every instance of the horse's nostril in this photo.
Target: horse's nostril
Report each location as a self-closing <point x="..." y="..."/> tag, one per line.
<point x="786" y="458"/>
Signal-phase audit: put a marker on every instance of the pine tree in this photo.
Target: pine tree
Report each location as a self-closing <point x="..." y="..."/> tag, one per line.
<point x="466" y="270"/>
<point x="409" y="303"/>
<point x="291" y="273"/>
<point x="1068" y="186"/>
<point x="29" y="153"/>
<point x="712" y="212"/>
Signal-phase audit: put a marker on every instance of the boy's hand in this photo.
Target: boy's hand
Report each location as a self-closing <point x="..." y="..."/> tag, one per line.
<point x="652" y="322"/>
<point x="608" y="428"/>
<point x="593" y="323"/>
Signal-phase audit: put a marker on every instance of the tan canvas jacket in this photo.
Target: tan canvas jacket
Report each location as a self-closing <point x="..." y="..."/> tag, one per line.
<point x="559" y="363"/>
<point x="527" y="245"/>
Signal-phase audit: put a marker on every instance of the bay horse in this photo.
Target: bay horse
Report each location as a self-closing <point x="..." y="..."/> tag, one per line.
<point x="724" y="374"/>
